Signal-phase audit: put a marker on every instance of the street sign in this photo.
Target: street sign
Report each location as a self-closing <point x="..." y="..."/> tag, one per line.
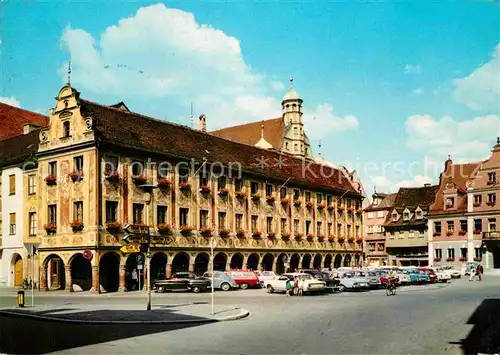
<point x="161" y="240"/>
<point x="139" y="266"/>
<point x="135" y="229"/>
<point x="136" y="238"/>
<point x="139" y="258"/>
<point x="131" y="248"/>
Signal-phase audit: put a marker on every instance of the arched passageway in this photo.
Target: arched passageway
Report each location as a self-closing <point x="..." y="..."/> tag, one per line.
<point x="56" y="277"/>
<point x="317" y="261"/>
<point x="237" y="261"/>
<point x="158" y="266"/>
<point x="357" y="260"/>
<point x="134" y="271"/>
<point x="280" y="264"/>
<point x="267" y="262"/>
<point x="81" y="272"/>
<point x="180" y="263"/>
<point x="347" y="260"/>
<point x="294" y="262"/>
<point x="328" y="262"/>
<point x="306" y="261"/>
<point x="253" y="262"/>
<point x="220" y="261"/>
<point x="201" y="263"/>
<point x="337" y="262"/>
<point x="109" y="272"/>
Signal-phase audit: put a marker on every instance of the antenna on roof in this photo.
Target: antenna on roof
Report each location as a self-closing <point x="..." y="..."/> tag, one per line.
<point x="319" y="147"/>
<point x="262" y="130"/>
<point x="291" y="83"/>
<point x="192" y="117"/>
<point x="69" y="72"/>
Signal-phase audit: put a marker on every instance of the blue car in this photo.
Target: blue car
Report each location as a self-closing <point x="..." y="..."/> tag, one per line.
<point x="417" y="276"/>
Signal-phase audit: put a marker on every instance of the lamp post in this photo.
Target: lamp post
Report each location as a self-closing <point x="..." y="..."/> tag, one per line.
<point x="148" y="197"/>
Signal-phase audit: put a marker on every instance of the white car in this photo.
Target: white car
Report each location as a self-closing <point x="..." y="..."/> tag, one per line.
<point x="266" y="276"/>
<point x="442" y="276"/>
<point x="310" y="284"/>
<point x="454" y="274"/>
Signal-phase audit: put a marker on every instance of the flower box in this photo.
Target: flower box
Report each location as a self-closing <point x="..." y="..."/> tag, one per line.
<point x="240" y="233"/>
<point x="350" y="210"/>
<point x="51" y="180"/>
<point x="298" y="235"/>
<point x="270" y="198"/>
<point x="257" y="234"/>
<point x="224" y="233"/>
<point x="491" y="203"/>
<point x="462" y="232"/>
<point x="139" y="180"/>
<point x="491" y="182"/>
<point x="223" y="191"/>
<point x="285" y="201"/>
<point x="309" y="236"/>
<point x="112" y="176"/>
<point x="449" y="233"/>
<point x="114" y="226"/>
<point x="321" y="206"/>
<point x="463" y="258"/>
<point x="476" y="204"/>
<point x="164" y="228"/>
<point x="185" y="186"/>
<point x="309" y="204"/>
<point x="205" y="231"/>
<point x="350" y="239"/>
<point x="436" y="234"/>
<point x="164" y="184"/>
<point x="359" y="240"/>
<point x="478" y="259"/>
<point x="331" y="238"/>
<point x="437" y="259"/>
<point x="321" y="237"/>
<point x="297" y="203"/>
<point x="330" y="207"/>
<point x="255" y="197"/>
<point x="477" y="231"/>
<point x="340" y="240"/>
<point x="450" y="259"/>
<point x="271" y="235"/>
<point x="285" y="235"/>
<point x="205" y="189"/>
<point x="340" y="208"/>
<point x="50" y="228"/>
<point x="76" y="175"/>
<point x="186" y="229"/>
<point x="240" y="194"/>
<point x="76" y="226"/>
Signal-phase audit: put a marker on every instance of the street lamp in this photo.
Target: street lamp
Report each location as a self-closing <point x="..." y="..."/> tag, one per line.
<point x="148" y="197"/>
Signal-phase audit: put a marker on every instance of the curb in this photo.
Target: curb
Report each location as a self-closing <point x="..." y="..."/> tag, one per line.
<point x="243" y="314"/>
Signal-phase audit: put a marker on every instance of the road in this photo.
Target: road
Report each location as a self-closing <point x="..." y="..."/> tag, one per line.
<point x="418" y="320"/>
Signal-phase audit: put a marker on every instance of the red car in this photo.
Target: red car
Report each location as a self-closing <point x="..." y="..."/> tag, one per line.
<point x="244" y="278"/>
<point x="429" y="272"/>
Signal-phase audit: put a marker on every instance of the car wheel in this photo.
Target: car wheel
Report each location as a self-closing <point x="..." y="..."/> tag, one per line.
<point x="270" y="289"/>
<point x="341" y="288"/>
<point x="225" y="286"/>
<point x="244" y="286"/>
<point x="196" y="289"/>
<point x="161" y="289"/>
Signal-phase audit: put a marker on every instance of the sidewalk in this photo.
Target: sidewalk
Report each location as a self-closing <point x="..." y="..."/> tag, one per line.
<point x="130" y="313"/>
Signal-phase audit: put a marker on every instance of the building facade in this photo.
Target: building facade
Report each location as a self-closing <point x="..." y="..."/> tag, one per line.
<point x="406" y="226"/>
<point x="101" y="168"/>
<point x="374" y="217"/>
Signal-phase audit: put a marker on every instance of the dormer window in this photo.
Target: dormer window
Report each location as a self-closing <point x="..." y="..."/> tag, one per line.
<point x="450" y="202"/>
<point x="492" y="178"/>
<point x="375" y="201"/>
<point x="418" y="214"/>
<point x="394" y="216"/>
<point x="406" y="216"/>
<point x="66" y="129"/>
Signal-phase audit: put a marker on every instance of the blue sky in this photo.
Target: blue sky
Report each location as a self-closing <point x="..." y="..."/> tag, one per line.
<point x="420" y="78"/>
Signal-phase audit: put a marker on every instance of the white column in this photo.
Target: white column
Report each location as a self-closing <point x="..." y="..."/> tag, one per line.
<point x="430" y="246"/>
<point x="488" y="260"/>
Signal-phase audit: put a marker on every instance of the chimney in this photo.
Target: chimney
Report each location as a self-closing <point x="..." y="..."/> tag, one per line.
<point x="30" y="127"/>
<point x="202" y="123"/>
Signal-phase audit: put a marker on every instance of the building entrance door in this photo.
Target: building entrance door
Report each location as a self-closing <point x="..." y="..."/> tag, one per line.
<point x="18" y="271"/>
<point x="55" y="273"/>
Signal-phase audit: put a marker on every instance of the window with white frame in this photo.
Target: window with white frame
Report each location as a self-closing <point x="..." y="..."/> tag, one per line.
<point x="438" y="253"/>
<point x="380" y="214"/>
<point x="370" y="229"/>
<point x="451" y="253"/>
<point x="32" y="223"/>
<point x="394" y="216"/>
<point x="492" y="224"/>
<point x="370" y="215"/>
<point x="406" y="216"/>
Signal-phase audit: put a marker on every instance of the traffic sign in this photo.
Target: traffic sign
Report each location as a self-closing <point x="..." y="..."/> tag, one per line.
<point x="139" y="258"/>
<point x="135" y="229"/>
<point x="136" y="238"/>
<point x="166" y="240"/>
<point x="139" y="266"/>
<point x="131" y="248"/>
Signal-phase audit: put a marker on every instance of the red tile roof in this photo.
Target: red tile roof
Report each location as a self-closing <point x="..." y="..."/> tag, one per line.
<point x="18" y="149"/>
<point x="250" y="133"/>
<point x="12" y="120"/>
<point x="457" y="175"/>
<point x="132" y="130"/>
<point x="386" y="204"/>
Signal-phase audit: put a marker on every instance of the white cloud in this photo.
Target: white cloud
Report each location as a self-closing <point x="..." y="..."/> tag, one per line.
<point x="412" y="69"/>
<point x="465" y="140"/>
<point x="10" y="101"/>
<point x="323" y="121"/>
<point x="162" y="53"/>
<point x="418" y="91"/>
<point x="384" y="184"/>
<point x="481" y="89"/>
<point x="0" y="46"/>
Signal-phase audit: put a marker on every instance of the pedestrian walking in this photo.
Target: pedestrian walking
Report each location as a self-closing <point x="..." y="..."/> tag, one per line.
<point x="289" y="287"/>
<point x="472" y="273"/>
<point x="480" y="272"/>
<point x="296" y="286"/>
<point x="301" y="287"/>
<point x="135" y="279"/>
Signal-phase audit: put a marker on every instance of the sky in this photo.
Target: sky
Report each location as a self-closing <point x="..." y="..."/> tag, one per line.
<point x="390" y="89"/>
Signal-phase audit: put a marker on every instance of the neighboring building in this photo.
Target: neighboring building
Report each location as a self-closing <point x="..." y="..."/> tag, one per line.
<point x="406" y="226"/>
<point x="17" y="166"/>
<point x="14" y="121"/>
<point x="374" y="217"/>
<point x="453" y="237"/>
<point x="264" y="209"/>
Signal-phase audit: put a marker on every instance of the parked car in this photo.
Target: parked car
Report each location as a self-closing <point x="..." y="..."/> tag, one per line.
<point x="374" y="278"/>
<point x="402" y="275"/>
<point x="265" y="275"/>
<point x="454" y="274"/>
<point x="429" y="272"/>
<point x="244" y="278"/>
<point x="222" y="281"/>
<point x="442" y="276"/>
<point x="182" y="281"/>
<point x="311" y="285"/>
<point x="416" y="276"/>
<point x="351" y="282"/>
<point x="331" y="283"/>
